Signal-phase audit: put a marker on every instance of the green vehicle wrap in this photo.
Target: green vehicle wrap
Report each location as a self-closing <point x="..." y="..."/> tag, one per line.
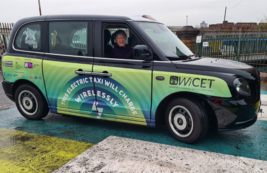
<point x="181" y="82"/>
<point x="23" y="68"/>
<point x="69" y="92"/>
<point x="132" y="87"/>
<point x="125" y="96"/>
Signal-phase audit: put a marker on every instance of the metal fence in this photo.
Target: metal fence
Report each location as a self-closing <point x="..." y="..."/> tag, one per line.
<point x="5" y="29"/>
<point x="250" y="48"/>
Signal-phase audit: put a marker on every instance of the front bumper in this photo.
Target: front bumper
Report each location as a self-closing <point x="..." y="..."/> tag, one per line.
<point x="233" y="115"/>
<point x="8" y="89"/>
<point x="240" y="125"/>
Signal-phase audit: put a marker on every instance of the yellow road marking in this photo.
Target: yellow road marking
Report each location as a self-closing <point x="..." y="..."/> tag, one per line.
<point x="28" y="152"/>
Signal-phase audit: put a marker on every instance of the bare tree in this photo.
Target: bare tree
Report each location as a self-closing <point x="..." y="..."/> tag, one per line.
<point x="263" y="23"/>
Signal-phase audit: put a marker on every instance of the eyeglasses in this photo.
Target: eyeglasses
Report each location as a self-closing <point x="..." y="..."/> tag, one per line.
<point x="121" y="38"/>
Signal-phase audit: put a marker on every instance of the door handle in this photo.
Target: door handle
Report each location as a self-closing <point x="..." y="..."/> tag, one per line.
<point x="93" y="73"/>
<point x="84" y="72"/>
<point x="104" y="74"/>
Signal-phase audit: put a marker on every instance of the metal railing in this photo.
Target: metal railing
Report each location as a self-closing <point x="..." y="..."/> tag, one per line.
<point x="5" y="29"/>
<point x="250" y="48"/>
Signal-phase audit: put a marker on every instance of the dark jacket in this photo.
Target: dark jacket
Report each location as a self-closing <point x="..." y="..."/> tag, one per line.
<point x="122" y="52"/>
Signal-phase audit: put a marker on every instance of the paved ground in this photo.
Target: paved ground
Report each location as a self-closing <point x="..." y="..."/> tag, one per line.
<point x="46" y="145"/>
<point x="116" y="154"/>
<point x="30" y="152"/>
<point x="5" y="103"/>
<point x="248" y="145"/>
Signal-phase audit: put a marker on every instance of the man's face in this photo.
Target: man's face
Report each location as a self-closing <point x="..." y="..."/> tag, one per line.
<point x="121" y="40"/>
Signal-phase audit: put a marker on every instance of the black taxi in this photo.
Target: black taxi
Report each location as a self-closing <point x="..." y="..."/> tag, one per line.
<point x="131" y="70"/>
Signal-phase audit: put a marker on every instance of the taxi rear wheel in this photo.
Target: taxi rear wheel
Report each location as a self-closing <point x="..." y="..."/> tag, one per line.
<point x="30" y="102"/>
<point x="186" y="119"/>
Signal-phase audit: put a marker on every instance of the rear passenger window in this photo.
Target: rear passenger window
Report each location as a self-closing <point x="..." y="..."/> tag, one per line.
<point x="29" y="38"/>
<point x="69" y="38"/>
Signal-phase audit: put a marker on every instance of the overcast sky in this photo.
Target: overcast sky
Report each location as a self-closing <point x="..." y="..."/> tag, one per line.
<point x="170" y="12"/>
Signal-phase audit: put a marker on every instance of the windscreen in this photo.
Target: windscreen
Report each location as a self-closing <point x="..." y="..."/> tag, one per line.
<point x="167" y="41"/>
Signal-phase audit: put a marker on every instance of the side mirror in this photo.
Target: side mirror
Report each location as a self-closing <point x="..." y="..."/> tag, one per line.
<point x="142" y="52"/>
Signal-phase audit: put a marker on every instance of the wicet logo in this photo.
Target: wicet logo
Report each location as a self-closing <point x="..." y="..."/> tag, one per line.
<point x="195" y="82"/>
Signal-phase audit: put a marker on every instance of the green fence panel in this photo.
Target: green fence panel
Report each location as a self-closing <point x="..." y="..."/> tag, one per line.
<point x="250" y="48"/>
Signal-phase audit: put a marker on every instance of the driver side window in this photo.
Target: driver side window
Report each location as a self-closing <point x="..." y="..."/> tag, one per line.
<point x="119" y="42"/>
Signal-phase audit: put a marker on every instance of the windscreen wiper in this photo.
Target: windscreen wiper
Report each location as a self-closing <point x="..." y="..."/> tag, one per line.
<point x="191" y="56"/>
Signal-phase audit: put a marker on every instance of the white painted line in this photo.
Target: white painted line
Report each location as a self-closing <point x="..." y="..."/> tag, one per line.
<point x="263" y="114"/>
<point x="263" y="97"/>
<point x="117" y="154"/>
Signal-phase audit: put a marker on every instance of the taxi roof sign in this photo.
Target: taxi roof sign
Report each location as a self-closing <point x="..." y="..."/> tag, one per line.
<point x="148" y="17"/>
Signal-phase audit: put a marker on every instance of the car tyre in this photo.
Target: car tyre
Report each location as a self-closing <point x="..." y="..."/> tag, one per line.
<point x="30" y="103"/>
<point x="186" y="119"/>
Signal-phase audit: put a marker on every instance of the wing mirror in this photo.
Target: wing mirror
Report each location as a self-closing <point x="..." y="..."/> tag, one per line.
<point x="141" y="52"/>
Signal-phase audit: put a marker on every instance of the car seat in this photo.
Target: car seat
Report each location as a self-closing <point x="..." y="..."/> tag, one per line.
<point x="107" y="48"/>
<point x="132" y="41"/>
<point x="113" y="39"/>
<point x="56" y="47"/>
<point x="59" y="48"/>
<point x="23" y="44"/>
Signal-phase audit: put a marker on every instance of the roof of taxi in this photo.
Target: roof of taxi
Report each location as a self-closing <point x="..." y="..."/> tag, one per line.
<point x="81" y="17"/>
<point x="78" y="17"/>
<point x="86" y="17"/>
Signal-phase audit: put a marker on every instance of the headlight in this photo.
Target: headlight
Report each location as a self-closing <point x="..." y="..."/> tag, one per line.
<point x="242" y="87"/>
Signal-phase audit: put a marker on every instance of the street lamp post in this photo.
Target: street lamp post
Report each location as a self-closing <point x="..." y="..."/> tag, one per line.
<point x="40" y="7"/>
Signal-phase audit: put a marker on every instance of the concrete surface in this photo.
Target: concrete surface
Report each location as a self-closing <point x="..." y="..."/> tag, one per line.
<point x="116" y="154"/>
<point x="263" y="77"/>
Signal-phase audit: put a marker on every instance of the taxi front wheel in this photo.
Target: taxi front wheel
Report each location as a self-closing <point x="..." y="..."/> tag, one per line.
<point x="186" y="119"/>
<point x="30" y="102"/>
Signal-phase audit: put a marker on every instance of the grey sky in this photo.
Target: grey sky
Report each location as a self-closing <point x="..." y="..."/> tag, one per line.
<point x="170" y="12"/>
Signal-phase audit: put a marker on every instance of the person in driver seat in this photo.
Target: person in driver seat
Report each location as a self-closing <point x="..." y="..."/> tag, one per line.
<point x="121" y="50"/>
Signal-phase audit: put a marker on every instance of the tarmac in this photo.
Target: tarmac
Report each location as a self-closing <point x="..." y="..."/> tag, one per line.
<point x="69" y="144"/>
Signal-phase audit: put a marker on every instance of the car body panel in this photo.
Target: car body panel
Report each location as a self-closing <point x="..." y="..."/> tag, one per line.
<point x="130" y="91"/>
<point x="16" y="68"/>
<point x="184" y="82"/>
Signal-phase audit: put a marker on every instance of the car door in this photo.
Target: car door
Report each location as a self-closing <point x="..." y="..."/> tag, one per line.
<point x="68" y="66"/>
<point x="124" y="94"/>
